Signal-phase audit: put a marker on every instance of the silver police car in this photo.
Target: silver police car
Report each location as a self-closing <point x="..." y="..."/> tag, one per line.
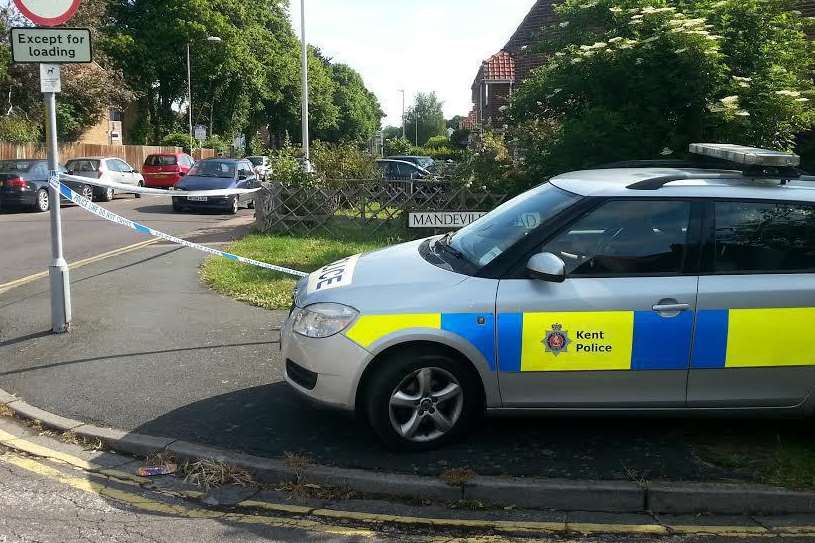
<point x="656" y="289"/>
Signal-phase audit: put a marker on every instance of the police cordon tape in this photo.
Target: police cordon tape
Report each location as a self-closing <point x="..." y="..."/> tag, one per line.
<point x="89" y="206"/>
<point x="133" y="189"/>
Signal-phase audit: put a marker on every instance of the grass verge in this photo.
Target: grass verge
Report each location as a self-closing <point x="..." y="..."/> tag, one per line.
<point x="272" y="290"/>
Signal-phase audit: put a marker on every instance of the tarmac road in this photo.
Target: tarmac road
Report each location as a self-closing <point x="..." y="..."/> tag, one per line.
<point x="25" y="237"/>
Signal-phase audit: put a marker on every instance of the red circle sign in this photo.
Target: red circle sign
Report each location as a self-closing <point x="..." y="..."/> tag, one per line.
<point x="48" y="12"/>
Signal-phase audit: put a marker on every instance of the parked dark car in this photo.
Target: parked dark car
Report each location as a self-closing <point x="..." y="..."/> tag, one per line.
<point x="401" y="170"/>
<point x="425" y="162"/>
<point x="24" y="184"/>
<point x="217" y="174"/>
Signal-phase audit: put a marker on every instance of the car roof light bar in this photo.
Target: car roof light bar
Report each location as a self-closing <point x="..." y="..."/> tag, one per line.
<point x="746" y="156"/>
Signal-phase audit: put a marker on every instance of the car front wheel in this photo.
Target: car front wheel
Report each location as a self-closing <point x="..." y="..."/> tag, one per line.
<point x="234" y="206"/>
<point x="422" y="400"/>
<point x="43" y="202"/>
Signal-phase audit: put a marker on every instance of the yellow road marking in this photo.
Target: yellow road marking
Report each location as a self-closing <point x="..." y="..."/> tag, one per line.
<point x="520" y="527"/>
<point x="152" y="506"/>
<point x="78" y="264"/>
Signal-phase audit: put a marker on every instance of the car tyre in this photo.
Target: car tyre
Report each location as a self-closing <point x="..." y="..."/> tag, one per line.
<point x="107" y="196"/>
<point x="43" y="202"/>
<point x="422" y="400"/>
<point x="87" y="192"/>
<point x="251" y="204"/>
<point x="141" y="185"/>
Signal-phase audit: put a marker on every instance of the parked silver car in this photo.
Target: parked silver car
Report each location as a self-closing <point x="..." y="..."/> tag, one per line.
<point x="635" y="290"/>
<point x="106" y="169"/>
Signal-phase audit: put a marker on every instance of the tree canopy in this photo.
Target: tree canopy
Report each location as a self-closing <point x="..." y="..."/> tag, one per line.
<point x="637" y="79"/>
<point x="427" y="112"/>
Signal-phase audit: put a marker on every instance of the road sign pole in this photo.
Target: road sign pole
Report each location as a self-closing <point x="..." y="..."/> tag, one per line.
<point x="58" y="270"/>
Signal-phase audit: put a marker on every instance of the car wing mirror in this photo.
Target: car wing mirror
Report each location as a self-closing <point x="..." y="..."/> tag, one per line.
<point x="242" y="177"/>
<point x="547" y="267"/>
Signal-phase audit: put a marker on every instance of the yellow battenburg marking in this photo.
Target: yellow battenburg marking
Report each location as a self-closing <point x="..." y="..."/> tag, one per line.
<point x="597" y="341"/>
<point x="370" y="328"/>
<point x="771" y="337"/>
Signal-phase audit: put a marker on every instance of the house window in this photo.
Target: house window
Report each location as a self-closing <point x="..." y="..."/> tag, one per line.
<point x="115" y="115"/>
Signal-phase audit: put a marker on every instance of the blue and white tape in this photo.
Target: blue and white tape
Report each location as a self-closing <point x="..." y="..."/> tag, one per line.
<point x="133" y="189"/>
<point x="100" y="211"/>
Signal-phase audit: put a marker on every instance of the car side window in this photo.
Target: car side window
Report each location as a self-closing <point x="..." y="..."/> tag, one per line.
<point x="756" y="237"/>
<point x="114" y="165"/>
<point x="245" y="170"/>
<point x="625" y="238"/>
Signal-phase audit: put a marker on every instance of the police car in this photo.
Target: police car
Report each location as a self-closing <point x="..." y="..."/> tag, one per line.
<point x="644" y="288"/>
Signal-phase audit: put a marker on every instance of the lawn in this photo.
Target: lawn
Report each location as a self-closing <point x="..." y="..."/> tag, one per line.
<point x="272" y="290"/>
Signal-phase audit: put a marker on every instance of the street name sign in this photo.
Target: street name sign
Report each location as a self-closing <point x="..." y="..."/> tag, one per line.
<point x="51" y="45"/>
<point x="444" y="219"/>
<point x="200" y="132"/>
<point x="48" y="12"/>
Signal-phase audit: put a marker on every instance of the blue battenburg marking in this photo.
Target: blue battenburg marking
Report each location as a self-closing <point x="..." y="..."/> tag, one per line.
<point x="710" y="345"/>
<point x="510" y="334"/>
<point x="230" y="256"/>
<point x="482" y="336"/>
<point x="141" y="228"/>
<point x="660" y="343"/>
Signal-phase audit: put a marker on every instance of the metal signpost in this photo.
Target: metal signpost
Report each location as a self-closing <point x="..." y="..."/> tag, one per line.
<point x="49" y="48"/>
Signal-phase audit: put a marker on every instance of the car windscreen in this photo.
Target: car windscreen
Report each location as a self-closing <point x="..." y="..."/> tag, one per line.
<point x="15" y="166"/>
<point x="213" y="168"/>
<point x="256" y="160"/>
<point x="82" y="165"/>
<point x="487" y="238"/>
<point x="425" y="162"/>
<point x="161" y="160"/>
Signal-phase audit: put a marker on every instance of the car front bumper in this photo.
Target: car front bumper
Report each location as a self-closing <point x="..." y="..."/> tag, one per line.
<point x="325" y="370"/>
<point x="212" y="202"/>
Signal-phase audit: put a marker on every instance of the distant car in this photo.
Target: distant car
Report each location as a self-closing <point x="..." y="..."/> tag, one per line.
<point x="263" y="166"/>
<point x="422" y="161"/>
<point x="164" y="170"/>
<point x="401" y="170"/>
<point x="110" y="169"/>
<point x="217" y="174"/>
<point x="24" y="184"/>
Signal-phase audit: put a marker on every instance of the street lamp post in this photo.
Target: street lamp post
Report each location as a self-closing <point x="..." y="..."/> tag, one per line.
<point x="211" y="39"/>
<point x="403" y="112"/>
<point x="304" y="99"/>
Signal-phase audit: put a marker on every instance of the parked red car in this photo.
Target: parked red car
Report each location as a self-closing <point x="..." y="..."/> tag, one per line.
<point x="162" y="171"/>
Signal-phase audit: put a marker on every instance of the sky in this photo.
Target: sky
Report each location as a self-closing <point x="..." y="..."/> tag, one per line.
<point x="415" y="45"/>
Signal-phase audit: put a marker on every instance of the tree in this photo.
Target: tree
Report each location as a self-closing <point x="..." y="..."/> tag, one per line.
<point x="359" y="112"/>
<point x="631" y="79"/>
<point x="427" y="112"/>
<point x="88" y="90"/>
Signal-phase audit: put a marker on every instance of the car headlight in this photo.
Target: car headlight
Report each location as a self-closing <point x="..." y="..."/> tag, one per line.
<point x="323" y="320"/>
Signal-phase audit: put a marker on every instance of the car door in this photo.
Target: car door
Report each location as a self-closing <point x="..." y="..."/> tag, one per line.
<point x="617" y="332"/>
<point x="113" y="171"/>
<point x="754" y="344"/>
<point x="129" y="177"/>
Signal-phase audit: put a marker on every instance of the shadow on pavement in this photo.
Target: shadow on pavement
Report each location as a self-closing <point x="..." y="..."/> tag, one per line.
<point x="272" y="420"/>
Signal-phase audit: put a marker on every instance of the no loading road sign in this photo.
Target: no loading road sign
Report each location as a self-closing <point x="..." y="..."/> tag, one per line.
<point x="48" y="12"/>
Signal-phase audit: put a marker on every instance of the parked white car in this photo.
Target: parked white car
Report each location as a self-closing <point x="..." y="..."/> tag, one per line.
<point x="262" y="165"/>
<point x="111" y="169"/>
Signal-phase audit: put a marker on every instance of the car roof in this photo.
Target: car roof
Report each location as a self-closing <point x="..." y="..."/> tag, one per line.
<point x="97" y="158"/>
<point x="683" y="182"/>
<point x="221" y="159"/>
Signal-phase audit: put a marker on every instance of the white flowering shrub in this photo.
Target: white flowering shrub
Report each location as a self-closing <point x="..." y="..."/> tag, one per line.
<point x="640" y="79"/>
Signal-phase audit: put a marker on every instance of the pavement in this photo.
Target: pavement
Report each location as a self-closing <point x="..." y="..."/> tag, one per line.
<point x="25" y="243"/>
<point x="153" y="351"/>
<point x="55" y="490"/>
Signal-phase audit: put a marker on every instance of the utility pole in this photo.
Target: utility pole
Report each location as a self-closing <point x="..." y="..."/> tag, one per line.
<point x="58" y="270"/>
<point x="306" y="146"/>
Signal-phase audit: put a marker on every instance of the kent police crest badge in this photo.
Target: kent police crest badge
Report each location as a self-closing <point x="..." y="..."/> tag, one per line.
<point x="557" y="340"/>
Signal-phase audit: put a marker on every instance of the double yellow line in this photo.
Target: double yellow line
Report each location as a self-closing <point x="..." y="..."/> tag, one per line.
<point x="323" y="520"/>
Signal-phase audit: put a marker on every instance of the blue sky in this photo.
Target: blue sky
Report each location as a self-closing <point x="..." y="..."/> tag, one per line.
<point x="416" y="45"/>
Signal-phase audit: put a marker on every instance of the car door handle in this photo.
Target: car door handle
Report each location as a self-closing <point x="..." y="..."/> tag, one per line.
<point x="671" y="308"/>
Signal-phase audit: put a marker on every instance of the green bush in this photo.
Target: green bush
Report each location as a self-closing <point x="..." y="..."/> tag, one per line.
<point x="397" y="146"/>
<point x="437" y="142"/>
<point x="178" y="139"/>
<point x="215" y="142"/>
<point x="343" y="161"/>
<point x="19" y="130"/>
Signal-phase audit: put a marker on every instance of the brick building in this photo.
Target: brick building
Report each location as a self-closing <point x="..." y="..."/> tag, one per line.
<point x="499" y="74"/>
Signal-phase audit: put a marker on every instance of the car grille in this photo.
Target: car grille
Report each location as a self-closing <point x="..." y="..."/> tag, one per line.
<point x="300" y="375"/>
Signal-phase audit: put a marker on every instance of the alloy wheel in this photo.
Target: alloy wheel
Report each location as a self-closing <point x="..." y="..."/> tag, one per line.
<point x="426" y="405"/>
<point x="43" y="200"/>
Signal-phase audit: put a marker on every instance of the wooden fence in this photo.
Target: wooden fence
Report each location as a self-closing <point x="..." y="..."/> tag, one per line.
<point x="375" y="204"/>
<point x="132" y="154"/>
